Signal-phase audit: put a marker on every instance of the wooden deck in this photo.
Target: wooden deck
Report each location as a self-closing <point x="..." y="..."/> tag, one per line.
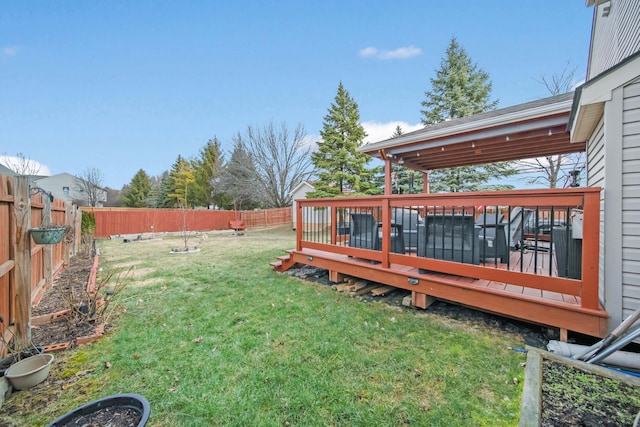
<point x="554" y="309"/>
<point x="527" y="287"/>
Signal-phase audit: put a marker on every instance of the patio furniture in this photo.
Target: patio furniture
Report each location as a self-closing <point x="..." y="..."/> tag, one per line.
<point x="492" y="237"/>
<point x="568" y="252"/>
<point x="518" y="217"/>
<point x="498" y="237"/>
<point x="450" y="238"/>
<point x="409" y="220"/>
<point x="366" y="233"/>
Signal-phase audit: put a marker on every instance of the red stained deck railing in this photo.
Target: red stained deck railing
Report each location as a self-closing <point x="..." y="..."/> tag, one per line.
<point x="324" y="224"/>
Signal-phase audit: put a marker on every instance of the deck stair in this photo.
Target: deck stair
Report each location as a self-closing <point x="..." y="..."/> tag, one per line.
<point x="283" y="263"/>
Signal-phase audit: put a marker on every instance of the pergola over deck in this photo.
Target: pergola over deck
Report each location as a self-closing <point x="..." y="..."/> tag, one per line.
<point x="528" y="283"/>
<point x="533" y="129"/>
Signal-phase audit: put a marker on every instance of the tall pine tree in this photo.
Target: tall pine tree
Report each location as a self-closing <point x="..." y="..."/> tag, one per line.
<point x="136" y="194"/>
<point x="404" y="180"/>
<point x="236" y="183"/>
<point x="340" y="167"/>
<point x="180" y="184"/>
<point x="461" y="89"/>
<point x="205" y="170"/>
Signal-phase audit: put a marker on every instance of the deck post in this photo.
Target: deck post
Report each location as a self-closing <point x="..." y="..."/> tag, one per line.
<point x="335" y="276"/>
<point x="590" y="250"/>
<point x="386" y="232"/>
<point x="421" y="300"/>
<point x="334" y="224"/>
<point x="299" y="227"/>
<point x="425" y="182"/>
<point x="387" y="177"/>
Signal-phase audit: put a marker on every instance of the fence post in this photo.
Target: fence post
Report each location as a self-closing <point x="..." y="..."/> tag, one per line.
<point x="22" y="251"/>
<point x="47" y="251"/>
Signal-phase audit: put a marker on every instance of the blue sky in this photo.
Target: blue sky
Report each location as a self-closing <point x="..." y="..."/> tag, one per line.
<point x="125" y="85"/>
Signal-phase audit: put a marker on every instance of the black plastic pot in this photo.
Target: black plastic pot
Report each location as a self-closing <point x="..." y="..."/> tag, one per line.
<point x="131" y="401"/>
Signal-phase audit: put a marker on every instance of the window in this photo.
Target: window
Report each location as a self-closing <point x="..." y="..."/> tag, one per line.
<point x="65" y="190"/>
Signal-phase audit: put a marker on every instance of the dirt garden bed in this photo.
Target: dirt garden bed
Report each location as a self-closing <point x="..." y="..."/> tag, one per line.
<point x="62" y="317"/>
<point x="560" y="392"/>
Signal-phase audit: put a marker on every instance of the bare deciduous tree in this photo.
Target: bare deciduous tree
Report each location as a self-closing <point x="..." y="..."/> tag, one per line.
<point x="21" y="164"/>
<point x="282" y="160"/>
<point x="89" y="183"/>
<point x="556" y="170"/>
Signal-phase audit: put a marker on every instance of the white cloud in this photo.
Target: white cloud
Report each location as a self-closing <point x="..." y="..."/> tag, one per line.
<point x="380" y="131"/>
<point x="31" y="167"/>
<point x="399" y="53"/>
<point x="9" y="51"/>
<point x="368" y="51"/>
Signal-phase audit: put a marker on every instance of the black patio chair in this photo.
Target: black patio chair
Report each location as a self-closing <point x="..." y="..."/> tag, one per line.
<point x="366" y="233"/>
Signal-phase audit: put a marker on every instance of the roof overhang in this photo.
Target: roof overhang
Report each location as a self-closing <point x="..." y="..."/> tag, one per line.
<point x="533" y="129"/>
<point x="590" y="98"/>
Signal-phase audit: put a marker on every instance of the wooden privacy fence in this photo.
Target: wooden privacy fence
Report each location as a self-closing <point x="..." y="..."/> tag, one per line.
<point x="28" y="269"/>
<point x="118" y="221"/>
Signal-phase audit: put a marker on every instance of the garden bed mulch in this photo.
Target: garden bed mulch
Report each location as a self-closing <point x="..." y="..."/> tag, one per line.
<point x="563" y="392"/>
<point x="56" y="324"/>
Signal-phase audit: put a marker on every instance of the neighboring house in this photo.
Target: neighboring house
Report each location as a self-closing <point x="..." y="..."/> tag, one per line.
<point x="299" y="192"/>
<point x="70" y="188"/>
<point x="6" y="171"/>
<point x="606" y="113"/>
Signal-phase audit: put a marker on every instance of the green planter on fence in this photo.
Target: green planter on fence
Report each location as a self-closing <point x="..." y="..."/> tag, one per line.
<point x="47" y="235"/>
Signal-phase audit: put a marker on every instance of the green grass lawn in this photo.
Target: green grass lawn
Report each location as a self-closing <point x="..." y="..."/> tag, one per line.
<point x="218" y="338"/>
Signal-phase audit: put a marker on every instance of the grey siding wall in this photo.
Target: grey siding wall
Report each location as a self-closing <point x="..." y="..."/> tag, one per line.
<point x="596" y="178"/>
<point x="631" y="197"/>
<point x="614" y="37"/>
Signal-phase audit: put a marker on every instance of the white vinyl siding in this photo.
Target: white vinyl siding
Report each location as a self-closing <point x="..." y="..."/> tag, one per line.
<point x="631" y="198"/>
<point x="615" y="37"/>
<point x="596" y="178"/>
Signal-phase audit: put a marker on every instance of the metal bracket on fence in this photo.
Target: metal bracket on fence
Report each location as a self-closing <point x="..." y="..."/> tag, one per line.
<point x="37" y="190"/>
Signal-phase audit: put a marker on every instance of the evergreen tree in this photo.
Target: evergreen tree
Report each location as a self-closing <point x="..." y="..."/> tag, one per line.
<point x="205" y="169"/>
<point x="136" y="194"/>
<point x="179" y="184"/>
<point x="236" y="182"/>
<point x="461" y="89"/>
<point x="404" y="180"/>
<point x="161" y="190"/>
<point x="340" y="166"/>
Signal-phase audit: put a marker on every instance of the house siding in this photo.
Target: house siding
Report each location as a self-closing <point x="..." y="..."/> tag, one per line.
<point x="596" y="178"/>
<point x="615" y="37"/>
<point x="631" y="197"/>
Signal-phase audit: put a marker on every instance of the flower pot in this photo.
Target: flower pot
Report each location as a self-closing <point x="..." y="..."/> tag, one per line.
<point x="13" y="358"/>
<point x="30" y="371"/>
<point x="90" y="413"/>
<point x="47" y="235"/>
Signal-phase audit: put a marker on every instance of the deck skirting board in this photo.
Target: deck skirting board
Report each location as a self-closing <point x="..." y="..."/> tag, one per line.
<point x="528" y="304"/>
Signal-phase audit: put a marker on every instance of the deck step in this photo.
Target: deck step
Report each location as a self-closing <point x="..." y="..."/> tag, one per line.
<point x="276" y="265"/>
<point x="283" y="263"/>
